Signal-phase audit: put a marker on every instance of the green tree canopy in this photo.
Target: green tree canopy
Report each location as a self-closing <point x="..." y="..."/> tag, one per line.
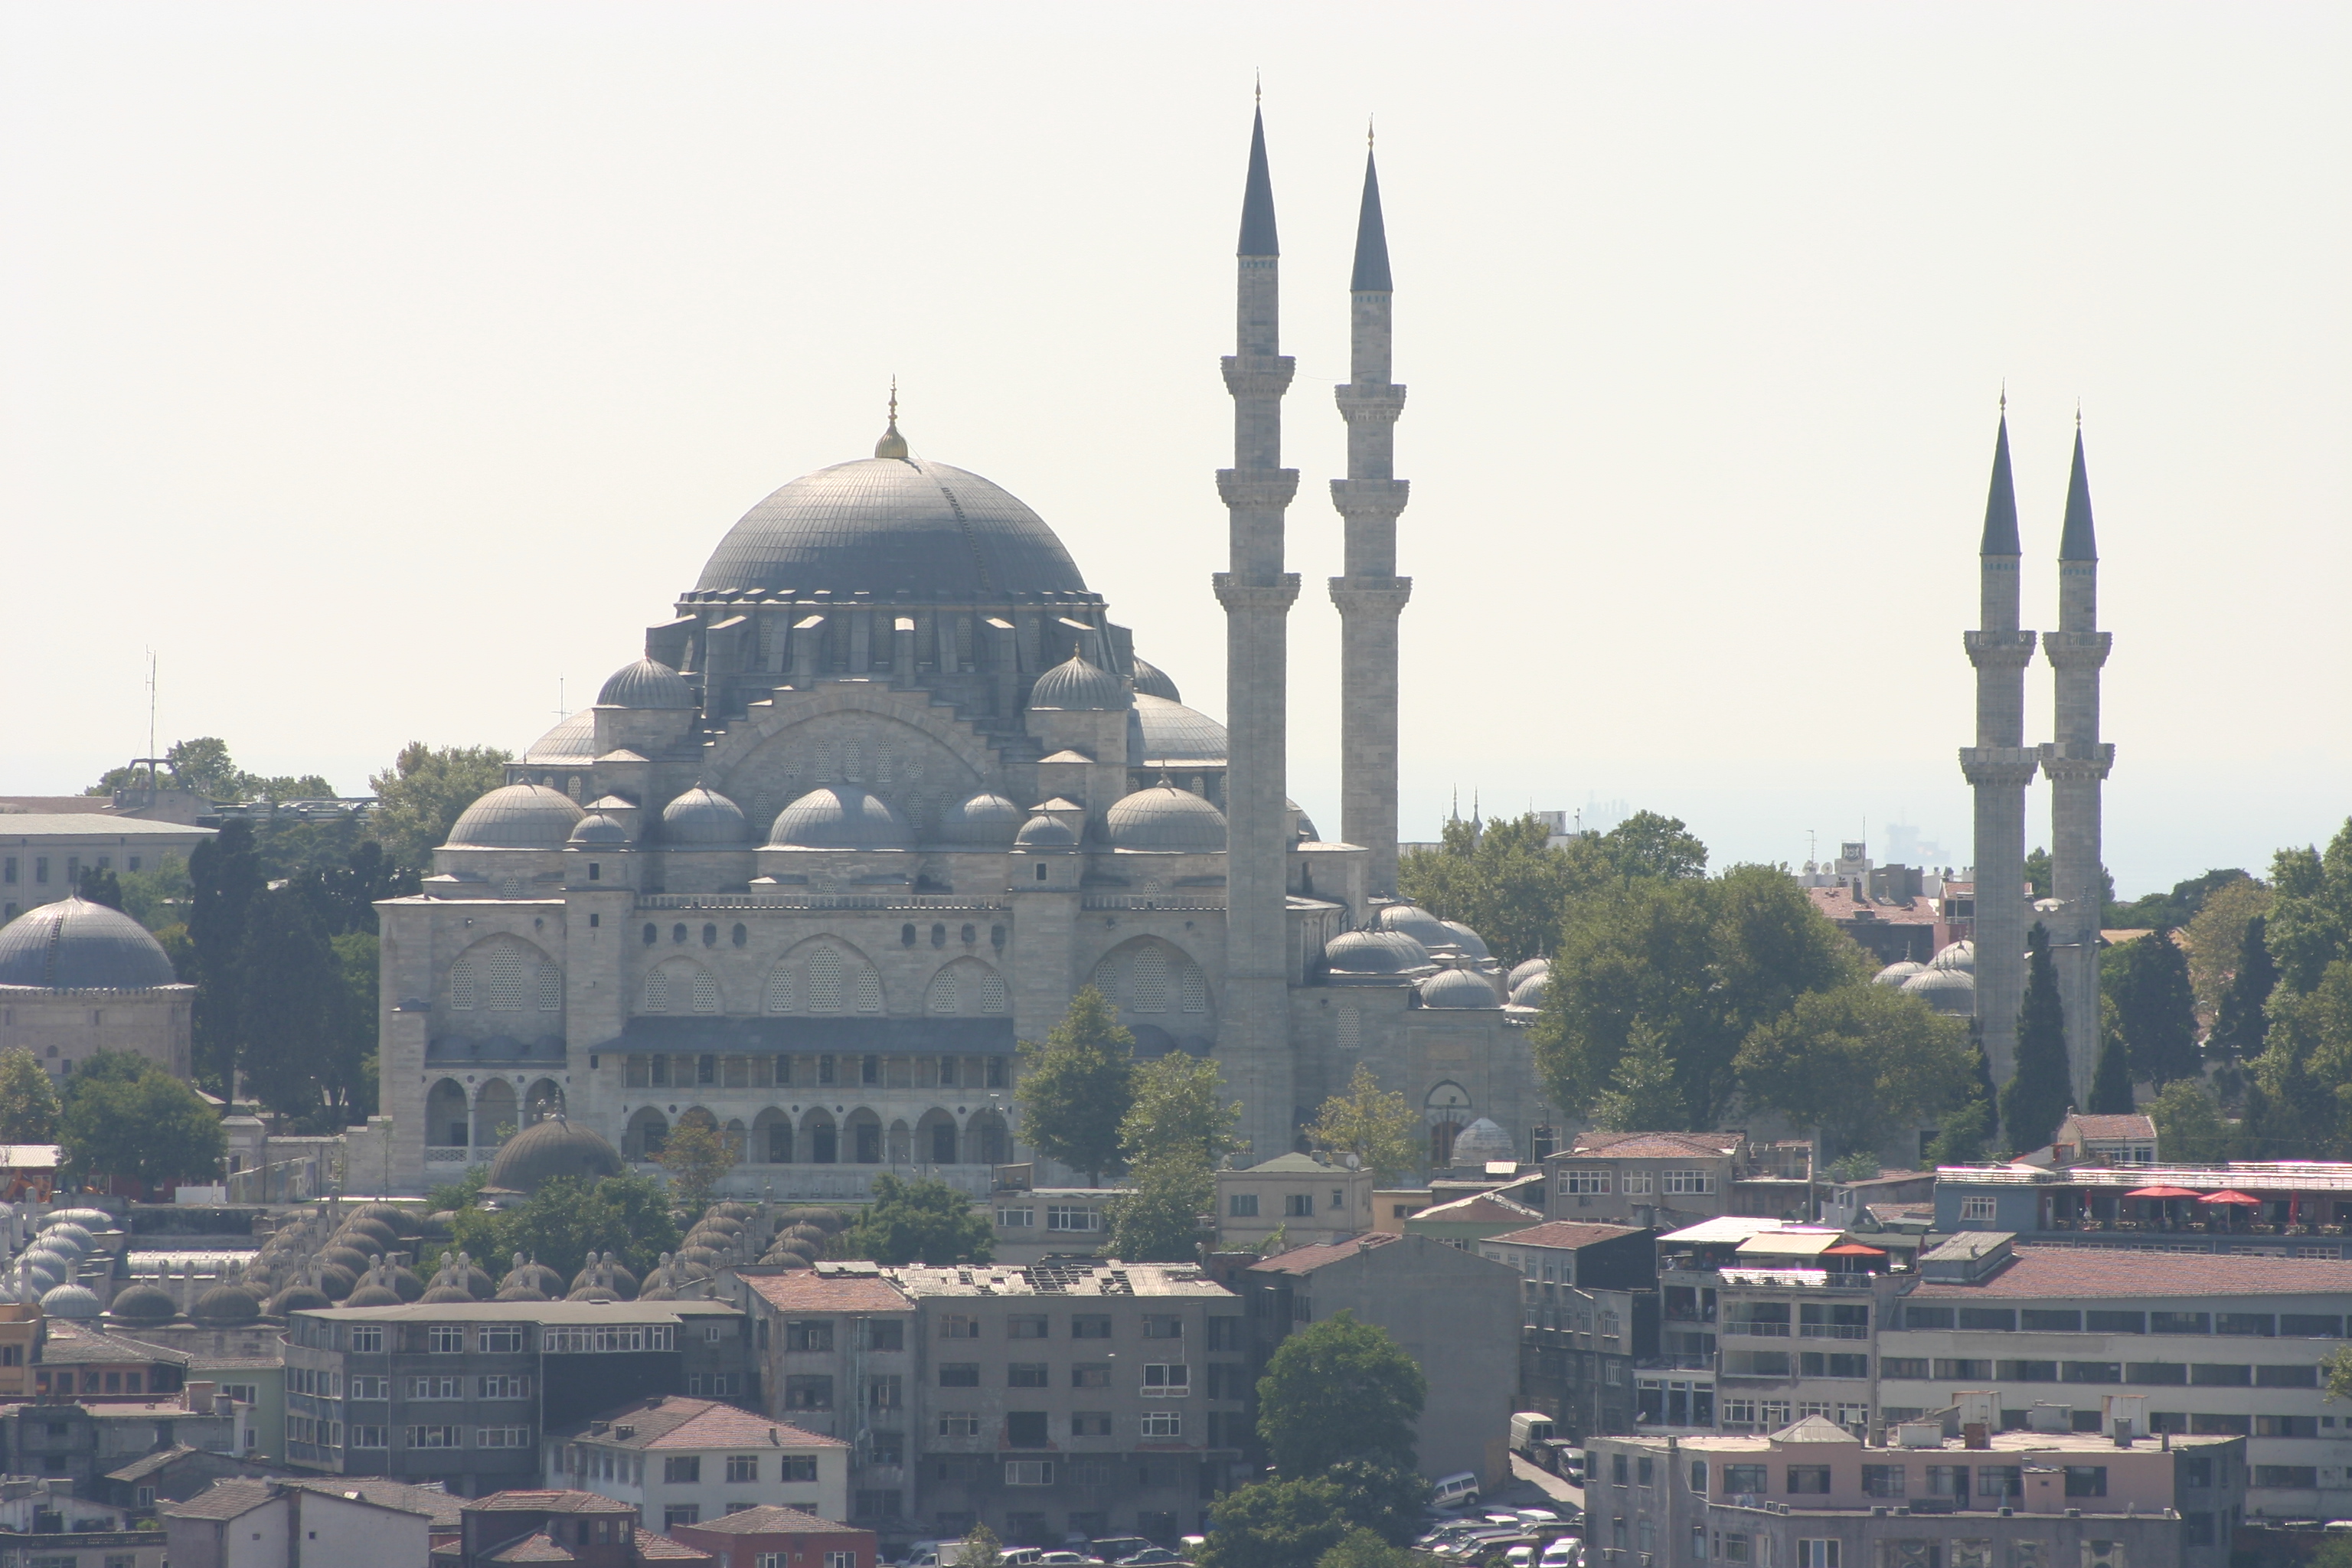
<point x="695" y="1156"/>
<point x="301" y="1039"/>
<point x="1642" y="1094"/>
<point x="1274" y="1524"/>
<point x="2176" y="907"/>
<point x="1505" y="882"/>
<point x="1340" y="1389"/>
<point x="1157" y="1219"/>
<point x="2189" y="1128"/>
<point x="981" y="1548"/>
<point x="1377" y="1127"/>
<point x="2241" y="1020"/>
<point x="2111" y="1084"/>
<point x="922" y="1221"/>
<point x="203" y="766"/>
<point x="1177" y="1112"/>
<point x="126" y="1117"/>
<point x="2216" y="938"/>
<point x="1647" y="844"/>
<point x="1075" y="1089"/>
<point x="2155" y="1007"/>
<point x="568" y="1218"/>
<point x="423" y="793"/>
<point x="225" y="877"/>
<point x="29" y="1101"/>
<point x="2036" y="1098"/>
<point x="1361" y="1548"/>
<point x="100" y="885"/>
<point x="1857" y="1062"/>
<point x="158" y="896"/>
<point x="1386" y="1500"/>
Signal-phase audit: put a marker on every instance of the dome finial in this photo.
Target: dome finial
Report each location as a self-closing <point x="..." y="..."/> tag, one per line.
<point x="892" y="444"/>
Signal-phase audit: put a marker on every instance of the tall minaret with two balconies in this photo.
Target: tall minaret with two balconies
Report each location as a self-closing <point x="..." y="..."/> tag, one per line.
<point x="1997" y="768"/>
<point x="2076" y="765"/>
<point x="1253" y="1038"/>
<point x="1370" y="596"/>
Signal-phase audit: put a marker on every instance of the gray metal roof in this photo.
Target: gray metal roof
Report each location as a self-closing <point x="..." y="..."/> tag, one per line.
<point x="1165" y="818"/>
<point x="94" y="825"/>
<point x="702" y="817"/>
<point x="75" y="945"/>
<point x="1077" y="684"/>
<point x="1371" y="274"/>
<point x="647" y="683"/>
<point x="1160" y="729"/>
<point x="887" y="525"/>
<point x="841" y="816"/>
<point x="517" y="816"/>
<point x="1257" y="199"/>
<point x="1151" y="677"/>
<point x="2001" y="501"/>
<point x="572" y="740"/>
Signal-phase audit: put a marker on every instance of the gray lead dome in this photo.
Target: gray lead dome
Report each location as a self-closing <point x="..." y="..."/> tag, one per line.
<point x="702" y="817"/>
<point x="1457" y="988"/>
<point x="1166" y="818"/>
<point x="840" y="816"/>
<point x="517" y="816"/>
<point x="986" y="821"/>
<point x="75" y="945"/>
<point x="649" y="683"/>
<point x="1076" y="684"/>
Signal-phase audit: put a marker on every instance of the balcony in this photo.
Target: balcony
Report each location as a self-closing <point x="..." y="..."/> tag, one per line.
<point x="1831" y="1331"/>
<point x="1760" y="1330"/>
<point x="838" y="1183"/>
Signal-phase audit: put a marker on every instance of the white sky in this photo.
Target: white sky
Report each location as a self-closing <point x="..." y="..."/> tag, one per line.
<point x="380" y="365"/>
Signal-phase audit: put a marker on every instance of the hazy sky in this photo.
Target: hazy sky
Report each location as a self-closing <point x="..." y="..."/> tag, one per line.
<point x="382" y="366"/>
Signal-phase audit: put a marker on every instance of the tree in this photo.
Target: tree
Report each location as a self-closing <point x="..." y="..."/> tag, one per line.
<point x="158" y="897"/>
<point x="1642" y="1096"/>
<point x="1388" y="1501"/>
<point x="423" y="792"/>
<point x="567" y="1219"/>
<point x="1359" y="1548"/>
<point x="2335" y="1371"/>
<point x="2176" y="907"/>
<point x="981" y="1548"/>
<point x="2111" y="1084"/>
<point x="203" y="766"/>
<point x="1337" y="1390"/>
<point x="126" y="1117"/>
<point x="2242" y="1022"/>
<point x="2042" y="1088"/>
<point x="1506" y="881"/>
<point x="350" y="1080"/>
<point x="2037" y="873"/>
<point x="292" y="1010"/>
<point x="1858" y="1063"/>
<point x="1075" y="1089"/>
<point x="29" y="1101"/>
<point x="1966" y="1134"/>
<point x="225" y="878"/>
<point x="2189" y="1129"/>
<point x="100" y="885"/>
<point x="1649" y="844"/>
<point x="2216" y="938"/>
<point x="695" y="1156"/>
<point x="923" y="1221"/>
<point x="1177" y="1110"/>
<point x="1274" y="1524"/>
<point x="1158" y="1218"/>
<point x="2155" y="1007"/>
<point x="1380" y="1129"/>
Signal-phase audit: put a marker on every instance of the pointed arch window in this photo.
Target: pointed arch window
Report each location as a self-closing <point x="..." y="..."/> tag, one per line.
<point x="825" y="981"/>
<point x="991" y="994"/>
<point x="505" y="975"/>
<point x="461" y="985"/>
<point x="780" y="990"/>
<point x="550" y="988"/>
<point x="869" y="990"/>
<point x="705" y="992"/>
<point x="1106" y="980"/>
<point x="943" y="992"/>
<point x="657" y="992"/>
<point x="1150" y="994"/>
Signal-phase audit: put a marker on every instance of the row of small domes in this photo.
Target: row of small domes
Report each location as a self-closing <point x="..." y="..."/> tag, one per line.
<point x="838" y="816"/>
<point x="1947" y="982"/>
<point x="1404" y="943"/>
<point x="1076" y="683"/>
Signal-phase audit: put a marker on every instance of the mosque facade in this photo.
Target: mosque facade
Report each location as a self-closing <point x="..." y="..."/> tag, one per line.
<point x="890" y="785"/>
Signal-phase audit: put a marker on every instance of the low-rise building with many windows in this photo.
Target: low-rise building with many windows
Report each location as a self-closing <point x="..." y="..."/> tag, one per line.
<point x="685" y="1461"/>
<point x="1589" y="1297"/>
<point x="1307" y="1199"/>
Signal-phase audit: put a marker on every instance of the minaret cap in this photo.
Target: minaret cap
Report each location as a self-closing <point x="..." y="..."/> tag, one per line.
<point x="1371" y="274"/>
<point x="892" y="444"/>
<point x="2076" y="543"/>
<point x="1257" y="198"/>
<point x="2000" y="498"/>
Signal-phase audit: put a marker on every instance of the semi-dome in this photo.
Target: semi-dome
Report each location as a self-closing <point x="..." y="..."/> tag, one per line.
<point x="1457" y="988"/>
<point x="1162" y="730"/>
<point x="1482" y="1142"/>
<point x="143" y="1304"/>
<point x="1471" y="945"/>
<point x="1897" y="973"/>
<point x="840" y="816"/>
<point x="71" y="1301"/>
<point x="73" y="944"/>
<point x="984" y="821"/>
<point x="703" y="818"/>
<point x="545" y="1150"/>
<point x="1076" y="684"/>
<point x="1528" y="969"/>
<point x="888" y="526"/>
<point x="571" y="743"/>
<point x="1960" y="955"/>
<point x="1164" y="818"/>
<point x="649" y="683"/>
<point x="1417" y="923"/>
<point x="1042" y="832"/>
<point x="517" y="816"/>
<point x="1531" y="992"/>
<point x="1151" y="679"/>
<point x="1374" y="953"/>
<point x="1949" y="991"/>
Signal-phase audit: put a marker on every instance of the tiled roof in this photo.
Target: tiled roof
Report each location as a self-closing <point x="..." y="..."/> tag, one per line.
<point x="806" y="1290"/>
<point x="1071" y="1276"/>
<point x="71" y="1344"/>
<point x="148" y="1463"/>
<point x="1307" y="1259"/>
<point x="1478" y="1208"/>
<point x="221" y="1500"/>
<point x="546" y="1499"/>
<point x="662" y="1549"/>
<point x="1654" y="1145"/>
<point x="673" y="1421"/>
<point x="536" y="1547"/>
<point x="1563" y="1232"/>
<point x="434" y="1502"/>
<point x="1815" y="1429"/>
<point x="1840" y="904"/>
<point x="2068" y="1271"/>
<point x="770" y="1518"/>
<point x="2106" y="1127"/>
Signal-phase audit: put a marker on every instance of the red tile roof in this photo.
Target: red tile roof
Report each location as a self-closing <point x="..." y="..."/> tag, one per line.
<point x="1564" y="1233"/>
<point x="1840" y="904"/>
<point x="537" y="1547"/>
<point x="662" y="1549"/>
<point x="2107" y="1127"/>
<point x="548" y="1499"/>
<point x="1307" y="1259"/>
<point x="805" y="1290"/>
<point x="1654" y="1145"/>
<point x="2060" y="1271"/>
<point x="673" y="1421"/>
<point x="771" y="1518"/>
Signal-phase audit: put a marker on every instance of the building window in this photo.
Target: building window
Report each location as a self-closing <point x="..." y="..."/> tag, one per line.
<point x="502" y="1437"/>
<point x="992" y="995"/>
<point x="503" y="1339"/>
<point x="1016" y="1219"/>
<point x="1025" y="1326"/>
<point x="1973" y="1209"/>
<point x="443" y="1338"/>
<point x="1242" y="1206"/>
<point x="959" y="1326"/>
<point x="1583" y="1184"/>
<point x="808" y="1334"/>
<point x="959" y="1374"/>
<point x="367" y="1339"/>
<point x="1028" y="1472"/>
<point x="435" y="1437"/>
<point x="505" y="980"/>
<point x="1072" y="1217"/>
<point x="1090" y="1326"/>
<point x="825" y="981"/>
<point x="1162" y="1423"/>
<point x="676" y="1514"/>
<point x="683" y="1469"/>
<point x="1167" y="1379"/>
<point x="1299" y="1206"/>
<point x="943" y="997"/>
<point x="1812" y="1481"/>
<point x="1883" y="1480"/>
<point x="1817" y="1554"/>
<point x="959" y="1424"/>
<point x="1027" y="1375"/>
<point x="1090" y="1424"/>
<point x="550" y="988"/>
<point x="1685" y="1181"/>
<point x="808" y="1393"/>
<point x="461" y="985"/>
<point x="742" y="1468"/>
<point x="887" y="1450"/>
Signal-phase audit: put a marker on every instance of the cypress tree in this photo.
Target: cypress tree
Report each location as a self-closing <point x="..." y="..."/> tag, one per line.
<point x="2036" y="1098"/>
<point x="2110" y="1089"/>
<point x="225" y="876"/>
<point x="2241" y="1024"/>
<point x="2156" y="1007"/>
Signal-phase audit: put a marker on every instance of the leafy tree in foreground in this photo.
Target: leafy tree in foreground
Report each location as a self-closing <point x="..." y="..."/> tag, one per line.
<point x="100" y="886"/>
<point x="29" y="1101"/>
<point x="2189" y="1129"/>
<point x="2217" y="938"/>
<point x="919" y="1222"/>
<point x="1379" y="1128"/>
<point x="1642" y="1096"/>
<point x="567" y="1219"/>
<point x="293" y="1012"/>
<point x="1647" y="844"/>
<point x="1361" y="1548"/>
<point x="695" y="1156"/>
<point x="1506" y="882"/>
<point x="130" y="1117"/>
<point x="1158" y="1218"/>
<point x="423" y="793"/>
<point x="1274" y="1524"/>
<point x="1388" y="1501"/>
<point x="981" y="1548"/>
<point x="1075" y="1089"/>
<point x="225" y="878"/>
<point x="1178" y="1112"/>
<point x="1858" y="1063"/>
<point x="158" y="897"/>
<point x="1340" y="1389"/>
<point x="2036" y="1098"/>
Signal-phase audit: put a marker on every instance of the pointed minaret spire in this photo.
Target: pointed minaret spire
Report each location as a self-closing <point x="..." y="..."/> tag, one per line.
<point x="1997" y="768"/>
<point x="2076" y="541"/>
<point x="1371" y="596"/>
<point x="2076" y="764"/>
<point x="1257" y="594"/>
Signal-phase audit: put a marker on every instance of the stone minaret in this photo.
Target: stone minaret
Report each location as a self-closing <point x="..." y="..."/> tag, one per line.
<point x="1255" y="1039"/>
<point x="1997" y="768"/>
<point x="1371" y="595"/>
<point x="2076" y="765"/>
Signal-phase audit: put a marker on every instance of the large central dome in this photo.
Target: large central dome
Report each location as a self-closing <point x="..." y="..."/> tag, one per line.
<point x="887" y="525"/>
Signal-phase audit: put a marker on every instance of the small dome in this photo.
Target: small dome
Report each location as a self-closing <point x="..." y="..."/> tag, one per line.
<point x="1897" y="973"/>
<point x="401" y="1222"/>
<point x="646" y="684"/>
<point x="226" y="1304"/>
<point x="72" y="1301"/>
<point x="1531" y="992"/>
<point x="555" y="1147"/>
<point x="372" y="1295"/>
<point x="298" y="1299"/>
<point x="1471" y="944"/>
<point x="1151" y="679"/>
<point x="82" y="1239"/>
<point x="1948" y="991"/>
<point x="92" y="1220"/>
<point x="1481" y="1142"/>
<point x="1041" y="832"/>
<point x="73" y="944"/>
<point x="1163" y="732"/>
<point x="1960" y="955"/>
<point x="1076" y="684"/>
<point x="335" y="1281"/>
<point x="703" y="816"/>
<point x="1165" y="819"/>
<point x="984" y="821"/>
<point x="447" y="1293"/>
<point x="515" y="1288"/>
<point x="1417" y="923"/>
<point x="144" y="1304"/>
<point x="350" y="1258"/>
<point x="840" y="816"/>
<point x="379" y="1232"/>
<point x="601" y="830"/>
<point x="1374" y="953"/>
<point x="1457" y="988"/>
<point x="517" y="816"/>
<point x="1308" y="832"/>
<point x="1528" y="968"/>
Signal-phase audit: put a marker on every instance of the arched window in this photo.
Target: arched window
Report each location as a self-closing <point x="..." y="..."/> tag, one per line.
<point x="461" y="985"/>
<point x="992" y="994"/>
<point x="1106" y="980"/>
<point x="505" y="975"/>
<point x="706" y="991"/>
<point x="1150" y="994"/>
<point x="1350" y="1031"/>
<point x="656" y="992"/>
<point x="825" y="981"/>
<point x="943" y="992"/>
<point x="1194" y="989"/>
<point x="572" y="786"/>
<point x="780" y="997"/>
<point x="550" y="988"/>
<point x="869" y="990"/>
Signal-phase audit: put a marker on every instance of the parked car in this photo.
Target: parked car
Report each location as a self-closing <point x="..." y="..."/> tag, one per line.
<point x="1068" y="1559"/>
<point x="1118" y="1548"/>
<point x="1150" y="1557"/>
<point x="1565" y="1553"/>
<point x="1459" y="1489"/>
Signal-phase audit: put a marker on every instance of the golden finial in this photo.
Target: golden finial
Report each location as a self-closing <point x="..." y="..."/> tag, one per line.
<point x="892" y="444"/>
<point x="1368" y="132"/>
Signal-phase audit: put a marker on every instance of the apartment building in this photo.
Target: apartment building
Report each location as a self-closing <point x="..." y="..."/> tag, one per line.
<point x="836" y="1348"/>
<point x="1589" y="1303"/>
<point x="2282" y="1209"/>
<point x="461" y="1393"/>
<point x="1032" y="1224"/>
<point x="543" y="1526"/>
<point x="1669" y="1179"/>
<point x="2223" y="1346"/>
<point x="1812" y="1495"/>
<point x="85" y="1440"/>
<point x="262" y="1524"/>
<point x="1309" y="1200"/>
<point x="780" y="1538"/>
<point x="683" y="1461"/>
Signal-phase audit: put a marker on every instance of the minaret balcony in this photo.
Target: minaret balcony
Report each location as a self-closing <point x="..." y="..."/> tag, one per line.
<point x="1257" y="490"/>
<point x="1259" y="375"/>
<point x="1999" y="650"/>
<point x="2078" y="650"/>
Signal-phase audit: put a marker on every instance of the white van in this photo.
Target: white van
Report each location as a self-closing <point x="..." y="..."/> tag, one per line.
<point x="1530" y="1430"/>
<point x="1457" y="1490"/>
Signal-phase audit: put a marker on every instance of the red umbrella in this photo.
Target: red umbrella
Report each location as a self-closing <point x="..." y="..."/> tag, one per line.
<point x="2161" y="1192"/>
<point x="2230" y="1195"/>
